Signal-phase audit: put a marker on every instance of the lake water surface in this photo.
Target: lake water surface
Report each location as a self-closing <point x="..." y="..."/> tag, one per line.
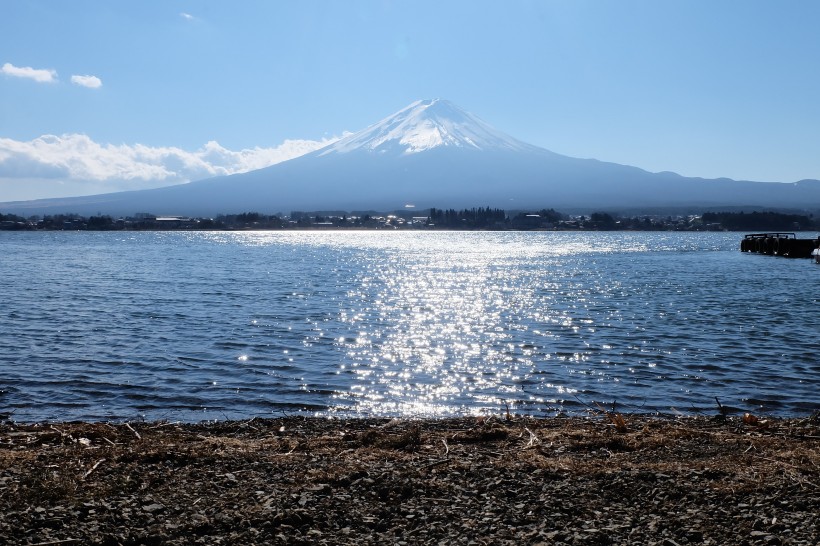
<point x="214" y="325"/>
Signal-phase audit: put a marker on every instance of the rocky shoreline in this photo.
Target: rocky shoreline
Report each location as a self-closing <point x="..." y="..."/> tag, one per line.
<point x="599" y="480"/>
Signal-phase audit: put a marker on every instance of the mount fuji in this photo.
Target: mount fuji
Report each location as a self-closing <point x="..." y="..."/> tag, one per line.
<point x="434" y="154"/>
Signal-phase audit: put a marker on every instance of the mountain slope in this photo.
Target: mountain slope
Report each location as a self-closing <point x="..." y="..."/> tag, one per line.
<point x="432" y="153"/>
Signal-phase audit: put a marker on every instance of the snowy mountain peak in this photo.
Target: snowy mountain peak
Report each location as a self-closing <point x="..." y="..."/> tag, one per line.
<point x="424" y="125"/>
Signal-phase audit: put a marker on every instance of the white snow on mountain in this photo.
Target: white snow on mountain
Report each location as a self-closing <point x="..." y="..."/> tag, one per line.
<point x="424" y="125"/>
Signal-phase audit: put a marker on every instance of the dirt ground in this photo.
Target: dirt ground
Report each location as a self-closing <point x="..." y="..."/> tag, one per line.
<point x="492" y="480"/>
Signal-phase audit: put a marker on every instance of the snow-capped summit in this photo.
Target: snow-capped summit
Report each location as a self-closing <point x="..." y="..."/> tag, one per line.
<point x="424" y="125"/>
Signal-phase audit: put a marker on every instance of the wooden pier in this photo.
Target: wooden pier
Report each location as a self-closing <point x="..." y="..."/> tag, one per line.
<point x="779" y="244"/>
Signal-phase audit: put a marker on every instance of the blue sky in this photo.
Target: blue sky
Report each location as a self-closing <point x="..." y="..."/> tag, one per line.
<point x="145" y="93"/>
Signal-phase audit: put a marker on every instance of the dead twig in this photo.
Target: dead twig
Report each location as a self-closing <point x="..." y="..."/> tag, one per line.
<point x="616" y="418"/>
<point x="55" y="429"/>
<point x="775" y="461"/>
<point x="508" y="416"/>
<point x="165" y="424"/>
<point x="534" y="440"/>
<point x="137" y="434"/>
<point x="587" y="406"/>
<point x="435" y="463"/>
<point x="93" y="468"/>
<point x="722" y="410"/>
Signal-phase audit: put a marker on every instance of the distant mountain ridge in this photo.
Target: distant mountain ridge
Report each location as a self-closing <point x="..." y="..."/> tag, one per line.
<point x="434" y="154"/>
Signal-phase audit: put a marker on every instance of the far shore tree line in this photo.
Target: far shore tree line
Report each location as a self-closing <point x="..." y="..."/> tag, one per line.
<point x="481" y="218"/>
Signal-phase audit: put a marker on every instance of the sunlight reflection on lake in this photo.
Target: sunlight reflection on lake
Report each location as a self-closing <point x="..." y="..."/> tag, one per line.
<point x="214" y="324"/>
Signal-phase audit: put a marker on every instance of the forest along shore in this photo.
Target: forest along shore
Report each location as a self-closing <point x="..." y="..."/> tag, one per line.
<point x="606" y="479"/>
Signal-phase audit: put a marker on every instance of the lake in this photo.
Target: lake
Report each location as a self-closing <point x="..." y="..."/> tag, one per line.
<point x="215" y="325"/>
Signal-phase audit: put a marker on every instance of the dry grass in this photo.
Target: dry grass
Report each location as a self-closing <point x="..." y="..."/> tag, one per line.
<point x="515" y="480"/>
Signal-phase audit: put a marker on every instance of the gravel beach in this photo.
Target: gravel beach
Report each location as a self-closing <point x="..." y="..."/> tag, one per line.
<point x="597" y="480"/>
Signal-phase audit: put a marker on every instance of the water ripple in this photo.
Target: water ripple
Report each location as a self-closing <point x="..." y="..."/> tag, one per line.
<point x="215" y="325"/>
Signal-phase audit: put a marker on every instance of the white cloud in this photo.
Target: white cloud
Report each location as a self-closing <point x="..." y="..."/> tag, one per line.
<point x="75" y="160"/>
<point x="92" y="82"/>
<point x="42" y="75"/>
<point x="187" y="16"/>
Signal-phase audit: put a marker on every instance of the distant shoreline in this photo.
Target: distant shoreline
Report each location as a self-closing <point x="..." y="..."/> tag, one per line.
<point x="476" y="219"/>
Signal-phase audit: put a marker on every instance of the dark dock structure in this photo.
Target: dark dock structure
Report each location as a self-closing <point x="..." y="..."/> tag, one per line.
<point x="779" y="244"/>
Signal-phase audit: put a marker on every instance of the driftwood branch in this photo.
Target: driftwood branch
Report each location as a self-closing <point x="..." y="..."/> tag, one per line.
<point x="93" y="468"/>
<point x="137" y="434"/>
<point x="534" y="440"/>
